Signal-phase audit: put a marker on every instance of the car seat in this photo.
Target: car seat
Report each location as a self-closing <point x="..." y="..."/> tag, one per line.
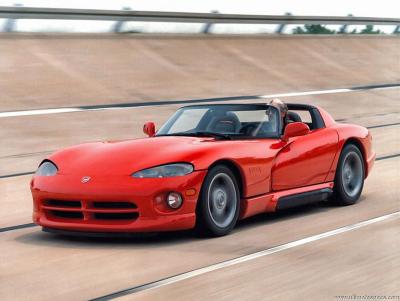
<point x="224" y="124"/>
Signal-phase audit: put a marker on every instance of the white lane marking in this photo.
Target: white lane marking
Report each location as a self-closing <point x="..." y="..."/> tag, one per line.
<point x="77" y="109"/>
<point x="242" y="259"/>
<point x="321" y="92"/>
<point x="309" y="93"/>
<point x="38" y="112"/>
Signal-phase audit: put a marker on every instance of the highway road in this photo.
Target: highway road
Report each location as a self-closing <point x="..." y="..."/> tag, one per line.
<point x="301" y="257"/>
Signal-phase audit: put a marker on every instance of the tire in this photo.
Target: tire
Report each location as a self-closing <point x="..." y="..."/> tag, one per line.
<point x="219" y="203"/>
<point x="349" y="178"/>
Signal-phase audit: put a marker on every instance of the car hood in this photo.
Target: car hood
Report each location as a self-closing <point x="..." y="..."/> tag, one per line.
<point x="127" y="157"/>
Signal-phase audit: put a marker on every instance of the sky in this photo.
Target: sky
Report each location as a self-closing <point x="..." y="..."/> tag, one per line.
<point x="362" y="8"/>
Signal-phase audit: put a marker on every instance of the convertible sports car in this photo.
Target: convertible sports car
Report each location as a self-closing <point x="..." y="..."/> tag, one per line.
<point x="205" y="168"/>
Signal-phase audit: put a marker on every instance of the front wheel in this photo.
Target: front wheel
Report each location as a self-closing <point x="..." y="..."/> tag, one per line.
<point x="218" y="207"/>
<point x="349" y="178"/>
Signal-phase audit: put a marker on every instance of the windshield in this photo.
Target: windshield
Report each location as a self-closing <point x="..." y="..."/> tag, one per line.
<point x="224" y="121"/>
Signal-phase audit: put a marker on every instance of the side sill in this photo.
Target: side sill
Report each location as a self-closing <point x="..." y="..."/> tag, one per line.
<point x="303" y="198"/>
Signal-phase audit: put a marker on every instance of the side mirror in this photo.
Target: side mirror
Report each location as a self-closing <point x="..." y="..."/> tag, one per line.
<point x="295" y="129"/>
<point x="149" y="129"/>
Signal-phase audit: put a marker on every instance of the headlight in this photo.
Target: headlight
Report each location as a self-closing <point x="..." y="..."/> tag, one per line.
<point x="47" y="168"/>
<point x="165" y="171"/>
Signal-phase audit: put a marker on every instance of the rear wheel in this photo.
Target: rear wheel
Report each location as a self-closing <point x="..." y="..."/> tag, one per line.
<point x="218" y="207"/>
<point x="349" y="178"/>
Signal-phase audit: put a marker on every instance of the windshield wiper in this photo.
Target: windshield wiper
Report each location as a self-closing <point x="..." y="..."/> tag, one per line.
<point x="200" y="134"/>
<point x="212" y="134"/>
<point x="175" y="134"/>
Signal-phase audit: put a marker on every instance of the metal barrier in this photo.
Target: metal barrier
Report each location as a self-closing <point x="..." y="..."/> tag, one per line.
<point x="18" y="12"/>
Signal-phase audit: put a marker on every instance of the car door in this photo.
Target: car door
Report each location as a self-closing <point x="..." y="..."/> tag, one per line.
<point x="305" y="160"/>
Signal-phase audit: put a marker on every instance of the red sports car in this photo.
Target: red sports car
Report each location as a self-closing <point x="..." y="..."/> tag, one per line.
<point x="206" y="167"/>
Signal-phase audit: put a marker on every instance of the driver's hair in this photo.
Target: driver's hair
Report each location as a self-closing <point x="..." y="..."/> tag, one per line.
<point x="279" y="104"/>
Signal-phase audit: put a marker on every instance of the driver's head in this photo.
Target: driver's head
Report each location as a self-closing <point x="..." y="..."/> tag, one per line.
<point x="280" y="105"/>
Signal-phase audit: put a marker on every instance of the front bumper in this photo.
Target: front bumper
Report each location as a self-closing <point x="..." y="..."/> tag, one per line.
<point x="100" y="205"/>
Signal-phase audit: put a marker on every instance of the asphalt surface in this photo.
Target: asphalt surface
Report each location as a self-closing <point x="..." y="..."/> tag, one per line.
<point x="364" y="261"/>
<point x="76" y="70"/>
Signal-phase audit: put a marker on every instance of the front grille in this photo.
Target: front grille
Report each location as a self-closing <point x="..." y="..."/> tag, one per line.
<point x="116" y="205"/>
<point x="114" y="216"/>
<point x="62" y="203"/>
<point x="67" y="214"/>
<point x="86" y="210"/>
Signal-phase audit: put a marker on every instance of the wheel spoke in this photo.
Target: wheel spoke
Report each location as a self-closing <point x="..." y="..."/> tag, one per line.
<point x="221" y="199"/>
<point x="352" y="174"/>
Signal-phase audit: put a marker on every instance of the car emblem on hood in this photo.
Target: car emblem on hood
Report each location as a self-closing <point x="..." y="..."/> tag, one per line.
<point x="85" y="179"/>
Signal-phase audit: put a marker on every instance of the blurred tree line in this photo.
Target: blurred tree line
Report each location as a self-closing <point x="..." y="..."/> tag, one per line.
<point x="322" y="29"/>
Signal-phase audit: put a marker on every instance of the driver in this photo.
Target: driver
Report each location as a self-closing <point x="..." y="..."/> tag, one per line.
<point x="283" y="110"/>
